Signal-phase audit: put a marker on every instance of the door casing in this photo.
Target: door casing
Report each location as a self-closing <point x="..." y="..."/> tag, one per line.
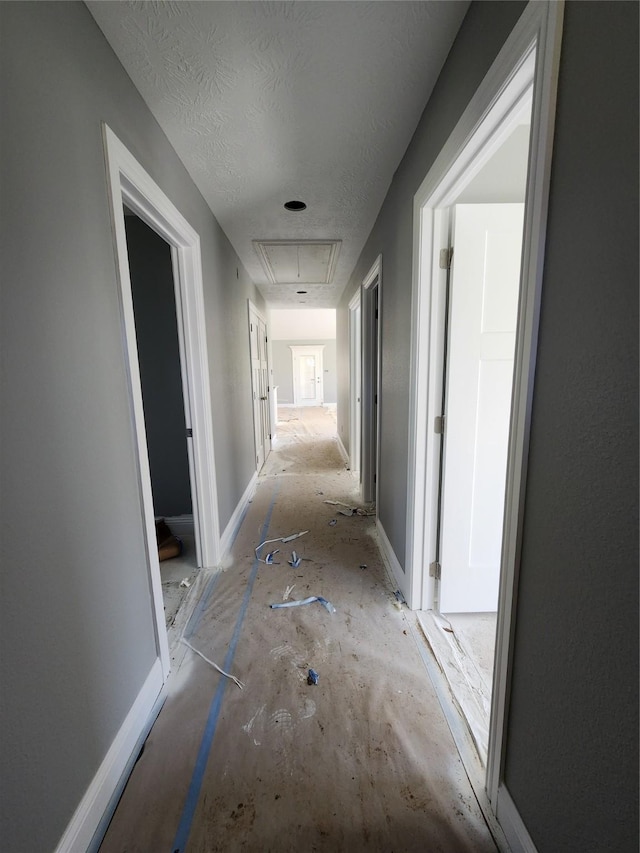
<point x="355" y="384"/>
<point x="371" y="369"/>
<point x="526" y="67"/>
<point x="260" y="384"/>
<point x="129" y="183"/>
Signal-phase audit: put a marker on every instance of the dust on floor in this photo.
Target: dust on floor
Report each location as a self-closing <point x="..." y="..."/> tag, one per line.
<point x="363" y="760"/>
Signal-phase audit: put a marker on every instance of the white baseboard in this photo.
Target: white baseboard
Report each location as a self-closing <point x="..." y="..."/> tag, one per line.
<point x="390" y="558"/>
<point x="512" y="824"/>
<point x="231" y="530"/>
<point x="342" y="450"/>
<point x="180" y="525"/>
<point x="115" y="768"/>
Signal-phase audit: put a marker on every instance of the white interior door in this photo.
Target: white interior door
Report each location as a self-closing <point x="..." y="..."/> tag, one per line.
<point x="260" y="386"/>
<point x="485" y="275"/>
<point x="265" y="410"/>
<point x="308" y="387"/>
<point x="307" y="378"/>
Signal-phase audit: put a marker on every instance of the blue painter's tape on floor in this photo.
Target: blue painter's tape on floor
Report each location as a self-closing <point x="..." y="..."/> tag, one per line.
<point x="193" y="794"/>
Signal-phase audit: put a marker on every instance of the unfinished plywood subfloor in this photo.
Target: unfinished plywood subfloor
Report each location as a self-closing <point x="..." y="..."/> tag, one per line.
<point x="362" y="761"/>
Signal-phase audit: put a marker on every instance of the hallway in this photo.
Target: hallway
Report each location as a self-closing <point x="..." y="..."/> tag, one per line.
<point x="362" y="760"/>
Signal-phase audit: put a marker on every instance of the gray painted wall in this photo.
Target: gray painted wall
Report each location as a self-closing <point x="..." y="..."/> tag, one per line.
<point x="77" y="638"/>
<point x="572" y="759"/>
<point x="483" y="32"/>
<point x="282" y="368"/>
<point x="154" y="307"/>
<point x="571" y="762"/>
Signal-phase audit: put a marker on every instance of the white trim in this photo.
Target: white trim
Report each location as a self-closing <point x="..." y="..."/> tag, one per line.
<point x="354" y="302"/>
<point x="389" y="556"/>
<point x="355" y="368"/>
<point x="343" y="451"/>
<point x="231" y="530"/>
<point x="112" y="773"/>
<point x="499" y="99"/>
<point x="252" y="314"/>
<point x="512" y="824"/>
<point x="370" y="450"/>
<point x="129" y="183"/>
<point x="545" y="22"/>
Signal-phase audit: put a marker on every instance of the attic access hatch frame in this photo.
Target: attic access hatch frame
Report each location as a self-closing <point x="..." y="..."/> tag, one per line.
<point x="261" y="247"/>
<point x="129" y="183"/>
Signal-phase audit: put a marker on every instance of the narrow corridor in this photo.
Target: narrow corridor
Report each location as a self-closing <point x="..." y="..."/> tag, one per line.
<point x="362" y="760"/>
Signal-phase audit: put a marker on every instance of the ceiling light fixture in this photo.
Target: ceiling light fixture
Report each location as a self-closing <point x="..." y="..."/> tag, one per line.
<point x="295" y="206"/>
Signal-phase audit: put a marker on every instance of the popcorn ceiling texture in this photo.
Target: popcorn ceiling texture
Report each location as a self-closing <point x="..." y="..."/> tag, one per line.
<point x="266" y="102"/>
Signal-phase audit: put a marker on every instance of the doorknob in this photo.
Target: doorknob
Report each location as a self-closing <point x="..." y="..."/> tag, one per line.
<point x="263" y="398"/>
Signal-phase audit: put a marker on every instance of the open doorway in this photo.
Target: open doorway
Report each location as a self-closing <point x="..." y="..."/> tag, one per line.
<point x="355" y="385"/>
<point x="481" y="261"/>
<point x="129" y="185"/>
<point x="260" y="385"/>
<point x="371" y="363"/>
<point x="483" y="285"/>
<point x="485" y="226"/>
<point x="156" y="323"/>
<point x="518" y="89"/>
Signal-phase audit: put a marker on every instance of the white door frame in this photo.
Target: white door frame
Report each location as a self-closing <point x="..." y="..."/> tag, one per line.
<point x="355" y="384"/>
<point x="129" y="183"/>
<point x="253" y="312"/>
<point x="317" y="351"/>
<point x="371" y="326"/>
<point x="531" y="53"/>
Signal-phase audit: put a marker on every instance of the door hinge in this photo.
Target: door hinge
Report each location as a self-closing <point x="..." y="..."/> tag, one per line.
<point x="269" y="436"/>
<point x="435" y="570"/>
<point x="445" y="258"/>
<point x="376" y="313"/>
<point x="438" y="425"/>
<point x="189" y="433"/>
<point x="375" y="400"/>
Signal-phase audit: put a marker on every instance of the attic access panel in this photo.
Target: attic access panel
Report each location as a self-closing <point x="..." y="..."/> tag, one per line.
<point x="298" y="261"/>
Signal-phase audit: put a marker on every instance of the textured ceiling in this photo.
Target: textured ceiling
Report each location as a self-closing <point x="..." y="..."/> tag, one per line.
<point x="267" y="102"/>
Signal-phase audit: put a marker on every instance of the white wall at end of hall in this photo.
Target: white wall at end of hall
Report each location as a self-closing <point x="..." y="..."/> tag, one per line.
<point x="302" y="324"/>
